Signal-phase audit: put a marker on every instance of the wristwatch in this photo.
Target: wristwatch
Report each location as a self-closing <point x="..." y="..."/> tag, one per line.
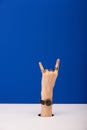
<point x="47" y="102"/>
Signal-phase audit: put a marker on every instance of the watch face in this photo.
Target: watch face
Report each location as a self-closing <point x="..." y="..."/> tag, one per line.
<point x="48" y="102"/>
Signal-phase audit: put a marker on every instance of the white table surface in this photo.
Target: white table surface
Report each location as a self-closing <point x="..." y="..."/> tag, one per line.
<point x="24" y="117"/>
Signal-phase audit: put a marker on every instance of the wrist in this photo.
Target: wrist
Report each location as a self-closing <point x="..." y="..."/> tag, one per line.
<point x="46" y="102"/>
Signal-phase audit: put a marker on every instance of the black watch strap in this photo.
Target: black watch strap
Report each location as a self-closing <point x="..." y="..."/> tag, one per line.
<point x="47" y="102"/>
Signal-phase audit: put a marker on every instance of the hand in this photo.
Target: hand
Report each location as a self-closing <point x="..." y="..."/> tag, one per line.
<point x="48" y="80"/>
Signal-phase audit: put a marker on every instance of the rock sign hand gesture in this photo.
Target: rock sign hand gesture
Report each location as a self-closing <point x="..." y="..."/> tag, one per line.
<point x="48" y="81"/>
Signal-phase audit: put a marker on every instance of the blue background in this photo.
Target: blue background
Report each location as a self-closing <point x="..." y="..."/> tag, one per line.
<point x="42" y="30"/>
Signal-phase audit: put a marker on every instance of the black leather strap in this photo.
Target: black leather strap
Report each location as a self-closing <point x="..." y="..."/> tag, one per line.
<point x="47" y="102"/>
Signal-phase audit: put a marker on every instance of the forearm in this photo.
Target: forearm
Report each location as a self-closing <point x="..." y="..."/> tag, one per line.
<point x="46" y="111"/>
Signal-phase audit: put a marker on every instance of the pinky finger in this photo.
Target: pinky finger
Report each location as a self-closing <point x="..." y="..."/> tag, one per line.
<point x="57" y="64"/>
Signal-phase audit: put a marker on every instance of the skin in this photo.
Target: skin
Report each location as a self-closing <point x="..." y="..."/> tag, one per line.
<point x="47" y="84"/>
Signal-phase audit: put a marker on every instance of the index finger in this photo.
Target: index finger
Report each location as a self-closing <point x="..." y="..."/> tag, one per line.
<point x="57" y="64"/>
<point x="41" y="67"/>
